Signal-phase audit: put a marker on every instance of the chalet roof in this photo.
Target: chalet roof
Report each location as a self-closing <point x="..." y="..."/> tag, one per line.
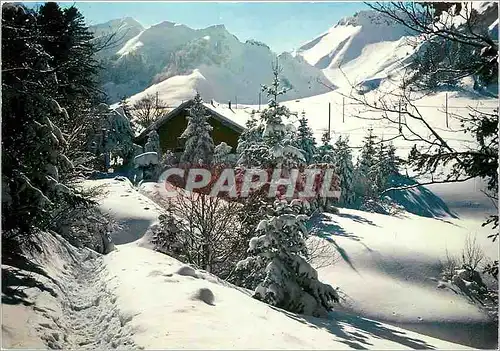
<point x="233" y="118"/>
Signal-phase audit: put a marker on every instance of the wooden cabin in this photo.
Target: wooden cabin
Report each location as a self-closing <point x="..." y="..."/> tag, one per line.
<point x="172" y="125"/>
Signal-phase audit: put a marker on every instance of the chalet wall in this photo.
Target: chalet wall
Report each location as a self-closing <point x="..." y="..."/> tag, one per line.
<point x="171" y="130"/>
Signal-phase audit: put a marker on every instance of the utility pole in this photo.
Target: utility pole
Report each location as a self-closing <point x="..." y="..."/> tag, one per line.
<point x="343" y="109"/>
<point x="446" y="109"/>
<point x="329" y="119"/>
<point x="399" y="116"/>
<point x="236" y="102"/>
<point x="260" y="95"/>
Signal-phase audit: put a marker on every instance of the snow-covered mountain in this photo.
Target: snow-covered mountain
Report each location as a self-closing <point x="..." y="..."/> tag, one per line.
<point x="209" y="60"/>
<point x="369" y="46"/>
<point x="365" y="45"/>
<point x="118" y="32"/>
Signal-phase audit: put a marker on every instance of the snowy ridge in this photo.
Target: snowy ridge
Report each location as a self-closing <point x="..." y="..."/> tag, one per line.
<point x="365" y="45"/>
<point x="131" y="45"/>
<point x="231" y="70"/>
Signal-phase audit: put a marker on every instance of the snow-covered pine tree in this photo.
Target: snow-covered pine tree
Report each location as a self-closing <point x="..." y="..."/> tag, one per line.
<point x="199" y="146"/>
<point x="223" y="155"/>
<point x="393" y="161"/>
<point x="36" y="172"/>
<point x="387" y="165"/>
<point x="251" y="151"/>
<point x="325" y="153"/>
<point x="345" y="170"/>
<point x="366" y="187"/>
<point x="305" y="139"/>
<point x="277" y="136"/>
<point x="153" y="143"/>
<point x="289" y="282"/>
<point x="118" y="136"/>
<point x="380" y="172"/>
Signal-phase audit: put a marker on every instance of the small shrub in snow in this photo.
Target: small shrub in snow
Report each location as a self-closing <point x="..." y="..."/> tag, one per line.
<point x="289" y="282"/>
<point x="167" y="238"/>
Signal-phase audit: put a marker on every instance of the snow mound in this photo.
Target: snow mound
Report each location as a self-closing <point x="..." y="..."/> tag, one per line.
<point x="146" y="159"/>
<point x="206" y="295"/>
<point x="187" y="271"/>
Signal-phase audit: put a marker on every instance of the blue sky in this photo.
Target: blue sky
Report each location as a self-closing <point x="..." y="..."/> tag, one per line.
<point x="283" y="26"/>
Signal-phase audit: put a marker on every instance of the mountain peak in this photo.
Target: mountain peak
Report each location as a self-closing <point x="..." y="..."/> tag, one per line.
<point x="366" y="18"/>
<point x="165" y="24"/>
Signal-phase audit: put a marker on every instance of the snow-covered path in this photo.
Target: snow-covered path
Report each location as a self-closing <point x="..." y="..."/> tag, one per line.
<point x="90" y="318"/>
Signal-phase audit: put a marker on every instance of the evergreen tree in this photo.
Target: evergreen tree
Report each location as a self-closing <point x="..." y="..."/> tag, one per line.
<point x="117" y="136"/>
<point x="222" y="154"/>
<point x="36" y="173"/>
<point x="71" y="49"/>
<point x="289" y="281"/>
<point x="325" y="153"/>
<point x="345" y="170"/>
<point x="380" y="174"/>
<point x="153" y="143"/>
<point x="277" y="136"/>
<point x="199" y="145"/>
<point x="392" y="160"/>
<point x="251" y="150"/>
<point x="366" y="167"/>
<point x="305" y="139"/>
<point x="70" y="44"/>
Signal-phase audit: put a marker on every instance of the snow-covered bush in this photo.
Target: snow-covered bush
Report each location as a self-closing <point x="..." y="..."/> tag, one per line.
<point x="290" y="282"/>
<point x="463" y="273"/>
<point x="147" y="165"/>
<point x="168" y="159"/>
<point x="168" y="236"/>
<point x="201" y="230"/>
<point x="223" y="155"/>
